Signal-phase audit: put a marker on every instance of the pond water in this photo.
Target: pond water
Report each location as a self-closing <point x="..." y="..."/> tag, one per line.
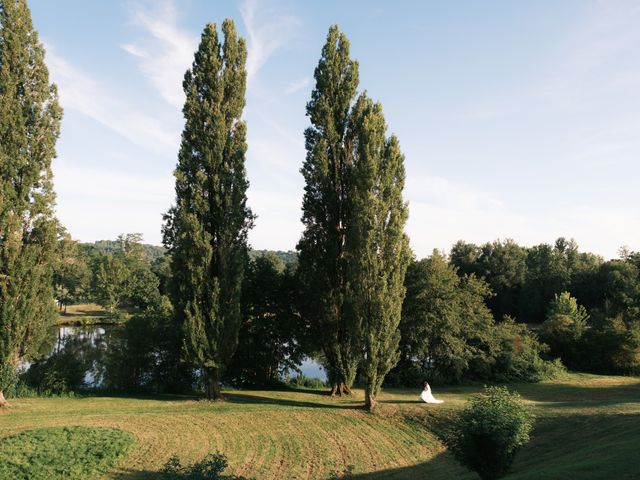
<point x="89" y="345"/>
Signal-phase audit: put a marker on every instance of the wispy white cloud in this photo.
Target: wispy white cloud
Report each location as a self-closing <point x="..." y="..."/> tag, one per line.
<point x="165" y="51"/>
<point x="595" y="64"/>
<point x="82" y="92"/>
<point x="442" y="212"/>
<point x="298" y="85"/>
<point x="99" y="203"/>
<point x="268" y="28"/>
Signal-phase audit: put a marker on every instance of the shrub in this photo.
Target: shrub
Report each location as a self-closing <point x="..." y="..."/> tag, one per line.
<point x="302" y="381"/>
<point x="210" y="467"/>
<point x="564" y="328"/>
<point x="520" y="355"/>
<point x="346" y="474"/>
<point x="490" y="430"/>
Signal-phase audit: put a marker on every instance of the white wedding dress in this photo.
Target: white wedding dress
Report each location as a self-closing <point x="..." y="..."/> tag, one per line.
<point x="427" y="397"/>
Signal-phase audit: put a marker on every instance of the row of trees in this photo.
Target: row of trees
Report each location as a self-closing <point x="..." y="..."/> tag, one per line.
<point x="123" y="274"/>
<point x="353" y="251"/>
<point x="524" y="280"/>
<point x="454" y="324"/>
<point x="448" y="332"/>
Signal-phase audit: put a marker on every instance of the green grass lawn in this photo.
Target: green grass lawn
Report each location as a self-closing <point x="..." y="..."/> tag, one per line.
<point x="588" y="427"/>
<point x="58" y="453"/>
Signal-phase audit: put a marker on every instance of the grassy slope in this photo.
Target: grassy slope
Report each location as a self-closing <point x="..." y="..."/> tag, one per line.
<point x="589" y="427"/>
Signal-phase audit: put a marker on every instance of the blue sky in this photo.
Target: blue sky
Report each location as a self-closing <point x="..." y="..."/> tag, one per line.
<point x="518" y="119"/>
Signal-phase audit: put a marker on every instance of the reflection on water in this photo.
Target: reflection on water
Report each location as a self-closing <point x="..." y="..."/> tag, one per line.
<point x="80" y="356"/>
<point x="90" y="343"/>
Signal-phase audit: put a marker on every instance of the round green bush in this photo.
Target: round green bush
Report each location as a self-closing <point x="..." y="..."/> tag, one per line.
<point x="490" y="431"/>
<point x="62" y="453"/>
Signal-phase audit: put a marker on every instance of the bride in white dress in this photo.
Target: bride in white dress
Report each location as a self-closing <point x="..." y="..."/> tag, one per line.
<point x="426" y="395"/>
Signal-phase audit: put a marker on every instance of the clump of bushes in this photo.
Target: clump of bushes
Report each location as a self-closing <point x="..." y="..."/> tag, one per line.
<point x="490" y="430"/>
<point x="210" y="467"/>
<point x="302" y="381"/>
<point x="519" y="356"/>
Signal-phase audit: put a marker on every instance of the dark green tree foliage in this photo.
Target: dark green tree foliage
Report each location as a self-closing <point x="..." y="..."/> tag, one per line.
<point x="446" y="316"/>
<point x="268" y="344"/>
<point x="206" y="231"/>
<point x="548" y="273"/>
<point x="448" y="334"/>
<point x="564" y="328"/>
<point x="326" y="213"/>
<point x="611" y="345"/>
<point x="501" y="264"/>
<point x="29" y="126"/>
<point x="446" y="327"/>
<point x="123" y="277"/>
<point x="377" y="247"/>
<point x="490" y="431"/>
<point x="71" y="275"/>
<point x="525" y="280"/>
<point x="430" y="326"/>
<point x="585" y="284"/>
<point x="519" y="356"/>
<point x="619" y="289"/>
<point x="110" y="282"/>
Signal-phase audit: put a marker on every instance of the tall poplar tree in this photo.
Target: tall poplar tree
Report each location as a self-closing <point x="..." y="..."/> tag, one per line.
<point x="378" y="249"/>
<point x="206" y="231"/>
<point x="326" y="211"/>
<point x="29" y="126"/>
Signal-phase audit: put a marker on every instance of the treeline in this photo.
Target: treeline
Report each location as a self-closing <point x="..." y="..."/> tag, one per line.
<point x="450" y="329"/>
<point x="461" y="313"/>
<point x="524" y="280"/>
<point x="121" y="275"/>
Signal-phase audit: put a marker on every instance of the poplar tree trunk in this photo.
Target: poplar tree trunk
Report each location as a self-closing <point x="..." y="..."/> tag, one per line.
<point x="212" y="388"/>
<point x="340" y="389"/>
<point x="3" y="401"/>
<point x="370" y="400"/>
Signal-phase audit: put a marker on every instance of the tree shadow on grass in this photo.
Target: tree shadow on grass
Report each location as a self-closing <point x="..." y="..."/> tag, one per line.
<point x="241" y="398"/>
<point x="158" y="397"/>
<point x="413" y="402"/>
<point x="441" y="467"/>
<point x="563" y="395"/>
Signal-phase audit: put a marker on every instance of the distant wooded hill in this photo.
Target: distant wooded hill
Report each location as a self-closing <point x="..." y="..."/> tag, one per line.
<point x="155" y="252"/>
